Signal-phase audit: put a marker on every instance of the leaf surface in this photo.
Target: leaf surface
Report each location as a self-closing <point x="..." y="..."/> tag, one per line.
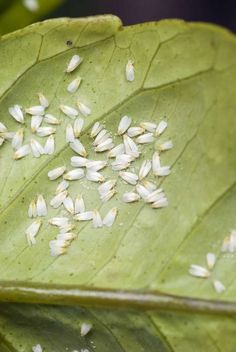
<point x="58" y="329"/>
<point x="185" y="72"/>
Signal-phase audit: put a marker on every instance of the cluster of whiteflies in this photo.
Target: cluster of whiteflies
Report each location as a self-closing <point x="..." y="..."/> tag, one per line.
<point x="205" y="273"/>
<point x="228" y="245"/>
<point x="120" y="158"/>
<point x="40" y="117"/>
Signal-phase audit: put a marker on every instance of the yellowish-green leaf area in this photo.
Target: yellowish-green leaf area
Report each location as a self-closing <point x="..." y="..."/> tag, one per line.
<point x="183" y="71"/>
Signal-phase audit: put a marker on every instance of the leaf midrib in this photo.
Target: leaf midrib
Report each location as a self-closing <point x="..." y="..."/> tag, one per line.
<point x="117" y="299"/>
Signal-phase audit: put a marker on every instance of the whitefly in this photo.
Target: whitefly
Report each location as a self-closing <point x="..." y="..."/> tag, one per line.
<point x="58" y="200"/>
<point x="149" y="126"/>
<point x="35" y="110"/>
<point x="32" y="231"/>
<point x="130" y="197"/>
<point x="101" y="137"/>
<point x="32" y="6"/>
<point x="145" y="138"/>
<point x="57" y="172"/>
<point x="198" y="271"/>
<point x="106" y="196"/>
<point x="124" y="124"/>
<point x="129" y="177"/>
<point x="161" y="203"/>
<point x="36" y="121"/>
<point x="74" y="62"/>
<point x="117" y="150"/>
<point x="63" y="185"/>
<point x="36" y="348"/>
<point x="135" y="131"/>
<point x="74" y="85"/>
<point x="51" y="119"/>
<point x="70" y="137"/>
<point x="69" y="111"/>
<point x="75" y="174"/>
<point x="145" y="169"/>
<point x="78" y="126"/>
<point x="17" y="113"/>
<point x="78" y="147"/>
<point x="85" y="328"/>
<point x="218" y="286"/>
<point x="18" y="138"/>
<point x="36" y="148"/>
<point x="110" y="217"/>
<point x="78" y="161"/>
<point x="165" y="146"/>
<point x="96" y="165"/>
<point x="49" y="147"/>
<point x="106" y="186"/>
<point x="104" y="146"/>
<point x="41" y="206"/>
<point x="45" y="131"/>
<point x="162" y="171"/>
<point x="83" y="109"/>
<point x="43" y="101"/>
<point x="2" y="127"/>
<point x="97" y="127"/>
<point x="79" y="204"/>
<point x="32" y="210"/>
<point x="97" y="220"/>
<point x="94" y="176"/>
<point x="118" y="165"/>
<point x="69" y="205"/>
<point x="85" y="216"/>
<point x="161" y="127"/>
<point x="131" y="147"/>
<point x="22" y="152"/>
<point x="129" y="71"/>
<point x="59" y="221"/>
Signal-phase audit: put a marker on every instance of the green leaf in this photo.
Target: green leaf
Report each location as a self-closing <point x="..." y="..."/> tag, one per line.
<point x="58" y="329"/>
<point x="185" y="72"/>
<point x="13" y="15"/>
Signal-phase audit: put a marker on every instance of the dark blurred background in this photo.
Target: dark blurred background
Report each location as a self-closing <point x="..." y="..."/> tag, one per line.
<point x="222" y="12"/>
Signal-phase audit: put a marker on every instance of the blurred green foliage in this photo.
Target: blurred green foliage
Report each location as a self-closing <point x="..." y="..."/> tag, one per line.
<point x="14" y="15"/>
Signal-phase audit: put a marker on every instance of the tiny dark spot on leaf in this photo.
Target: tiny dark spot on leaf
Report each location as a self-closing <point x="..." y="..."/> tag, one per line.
<point x="69" y="42"/>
